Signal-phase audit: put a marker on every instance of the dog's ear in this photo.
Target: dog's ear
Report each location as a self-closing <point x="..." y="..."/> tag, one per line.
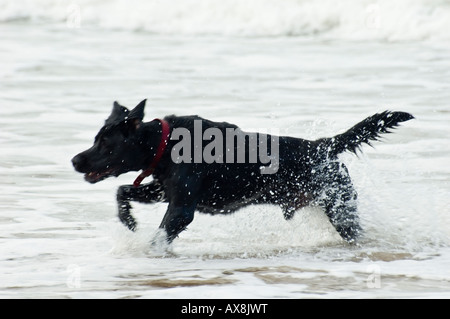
<point x="138" y="112"/>
<point x="118" y="114"/>
<point x="134" y="119"/>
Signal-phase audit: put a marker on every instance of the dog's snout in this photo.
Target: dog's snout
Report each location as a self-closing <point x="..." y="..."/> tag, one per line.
<point x="77" y="162"/>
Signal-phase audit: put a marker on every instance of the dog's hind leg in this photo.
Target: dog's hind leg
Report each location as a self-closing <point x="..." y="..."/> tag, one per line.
<point x="290" y="205"/>
<point x="337" y="196"/>
<point x="147" y="193"/>
<point x="293" y="197"/>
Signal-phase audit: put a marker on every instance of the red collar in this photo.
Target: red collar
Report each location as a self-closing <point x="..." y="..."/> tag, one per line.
<point x="159" y="153"/>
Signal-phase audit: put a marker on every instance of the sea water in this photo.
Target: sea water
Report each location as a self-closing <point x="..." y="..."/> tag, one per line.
<point x="310" y="69"/>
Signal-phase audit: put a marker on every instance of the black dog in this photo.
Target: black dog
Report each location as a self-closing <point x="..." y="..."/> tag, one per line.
<point x="302" y="172"/>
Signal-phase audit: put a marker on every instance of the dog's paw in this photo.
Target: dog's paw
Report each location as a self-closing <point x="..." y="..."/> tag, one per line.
<point x="159" y="245"/>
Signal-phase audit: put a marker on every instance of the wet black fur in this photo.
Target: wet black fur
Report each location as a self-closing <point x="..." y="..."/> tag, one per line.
<point x="309" y="172"/>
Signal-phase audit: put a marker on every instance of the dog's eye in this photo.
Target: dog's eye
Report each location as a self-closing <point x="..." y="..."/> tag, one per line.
<point x="105" y="143"/>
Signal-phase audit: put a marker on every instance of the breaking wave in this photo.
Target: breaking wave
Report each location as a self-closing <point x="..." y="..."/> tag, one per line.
<point x="386" y="20"/>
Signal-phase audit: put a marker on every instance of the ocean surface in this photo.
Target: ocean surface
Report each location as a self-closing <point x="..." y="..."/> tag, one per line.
<point x="308" y="68"/>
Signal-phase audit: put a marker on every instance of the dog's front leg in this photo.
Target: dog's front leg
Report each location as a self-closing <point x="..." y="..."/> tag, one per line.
<point x="147" y="193"/>
<point x="177" y="218"/>
<point x="184" y="191"/>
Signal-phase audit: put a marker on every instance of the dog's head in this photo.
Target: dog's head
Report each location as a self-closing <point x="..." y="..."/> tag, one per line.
<point x="114" y="146"/>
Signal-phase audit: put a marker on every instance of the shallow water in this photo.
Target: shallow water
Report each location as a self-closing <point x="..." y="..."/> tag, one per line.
<point x="60" y="237"/>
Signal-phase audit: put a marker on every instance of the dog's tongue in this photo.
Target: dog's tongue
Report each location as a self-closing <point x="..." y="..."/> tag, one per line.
<point x="91" y="177"/>
<point x="94" y="177"/>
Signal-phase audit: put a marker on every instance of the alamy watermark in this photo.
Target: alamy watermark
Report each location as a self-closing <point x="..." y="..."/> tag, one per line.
<point x="73" y="12"/>
<point x="374" y="278"/>
<point x="373" y="16"/>
<point x="73" y="280"/>
<point x="230" y="145"/>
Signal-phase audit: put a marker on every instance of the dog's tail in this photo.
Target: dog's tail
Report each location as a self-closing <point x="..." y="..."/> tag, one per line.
<point x="363" y="132"/>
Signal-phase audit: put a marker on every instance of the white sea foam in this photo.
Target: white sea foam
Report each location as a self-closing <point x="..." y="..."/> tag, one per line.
<point x="390" y="20"/>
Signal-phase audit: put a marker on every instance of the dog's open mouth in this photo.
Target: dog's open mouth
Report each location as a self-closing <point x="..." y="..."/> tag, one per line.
<point x="94" y="177"/>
